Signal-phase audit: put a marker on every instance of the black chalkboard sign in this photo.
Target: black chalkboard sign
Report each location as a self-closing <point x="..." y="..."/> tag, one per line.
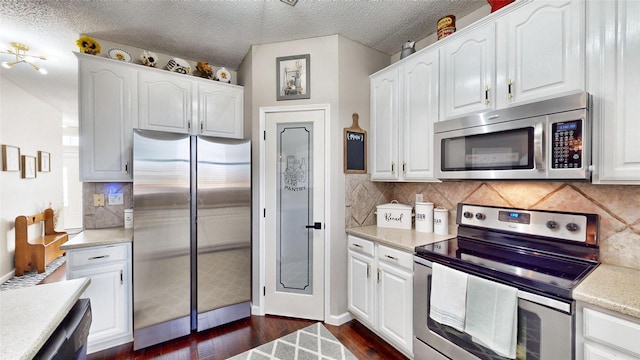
<point x="355" y="148"/>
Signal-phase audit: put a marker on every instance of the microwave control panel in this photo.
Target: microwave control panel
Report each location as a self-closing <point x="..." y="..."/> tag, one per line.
<point x="566" y="144"/>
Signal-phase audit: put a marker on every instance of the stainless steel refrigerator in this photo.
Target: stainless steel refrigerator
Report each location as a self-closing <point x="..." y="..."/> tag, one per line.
<point x="192" y="234"/>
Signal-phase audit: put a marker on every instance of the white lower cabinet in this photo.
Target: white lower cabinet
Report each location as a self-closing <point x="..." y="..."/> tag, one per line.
<point x="380" y="291"/>
<point x="606" y="335"/>
<point x="109" y="268"/>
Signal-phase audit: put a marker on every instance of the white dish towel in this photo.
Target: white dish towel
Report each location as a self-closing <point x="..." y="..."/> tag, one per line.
<point x="492" y="315"/>
<point x="448" y="296"/>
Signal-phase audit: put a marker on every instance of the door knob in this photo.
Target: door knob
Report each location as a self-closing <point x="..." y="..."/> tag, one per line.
<point x="317" y="226"/>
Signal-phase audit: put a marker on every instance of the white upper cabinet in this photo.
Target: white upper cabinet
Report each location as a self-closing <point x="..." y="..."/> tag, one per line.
<point x="404" y="106"/>
<point x="531" y="51"/>
<point x="544" y="52"/>
<point x="220" y="110"/>
<point x="384" y="125"/>
<point x="165" y="101"/>
<point x="614" y="81"/>
<point x="468" y="73"/>
<point x="107" y="103"/>
<point x="419" y="111"/>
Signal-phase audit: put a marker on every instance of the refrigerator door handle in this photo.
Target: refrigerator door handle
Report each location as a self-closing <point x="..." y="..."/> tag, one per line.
<point x="316" y="225"/>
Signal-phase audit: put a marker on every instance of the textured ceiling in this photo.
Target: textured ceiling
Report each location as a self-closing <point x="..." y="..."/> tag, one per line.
<point x="219" y="32"/>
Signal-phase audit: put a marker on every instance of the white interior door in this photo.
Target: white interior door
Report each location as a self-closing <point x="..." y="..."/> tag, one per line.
<point x="294" y="221"/>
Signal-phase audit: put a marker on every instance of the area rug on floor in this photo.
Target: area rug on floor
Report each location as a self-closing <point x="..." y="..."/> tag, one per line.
<point x="312" y="342"/>
<point x="31" y="278"/>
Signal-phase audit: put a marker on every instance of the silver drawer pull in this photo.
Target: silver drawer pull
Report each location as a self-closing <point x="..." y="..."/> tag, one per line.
<point x="392" y="257"/>
<point x="98" y="257"/>
<point x="358" y="245"/>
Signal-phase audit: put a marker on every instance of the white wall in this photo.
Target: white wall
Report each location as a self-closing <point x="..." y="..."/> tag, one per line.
<point x="32" y="125"/>
<point x="339" y="77"/>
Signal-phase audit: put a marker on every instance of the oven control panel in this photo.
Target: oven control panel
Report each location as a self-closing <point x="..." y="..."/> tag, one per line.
<point x="565" y="226"/>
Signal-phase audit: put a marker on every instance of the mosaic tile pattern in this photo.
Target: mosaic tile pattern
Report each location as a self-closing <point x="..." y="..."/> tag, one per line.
<point x="617" y="205"/>
<point x="312" y="342"/>
<point x="31" y="278"/>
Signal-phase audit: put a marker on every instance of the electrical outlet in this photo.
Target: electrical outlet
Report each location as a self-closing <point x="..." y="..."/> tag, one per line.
<point x="419" y="198"/>
<point x="98" y="199"/>
<point x="116" y="199"/>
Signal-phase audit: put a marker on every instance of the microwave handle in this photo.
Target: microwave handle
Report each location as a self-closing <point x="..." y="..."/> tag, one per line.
<point x="538" y="146"/>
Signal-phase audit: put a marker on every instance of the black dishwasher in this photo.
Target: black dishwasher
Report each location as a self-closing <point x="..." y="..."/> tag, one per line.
<point x="69" y="340"/>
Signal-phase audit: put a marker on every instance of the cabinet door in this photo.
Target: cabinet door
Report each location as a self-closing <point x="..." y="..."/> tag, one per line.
<point x="395" y="305"/>
<point x="545" y="51"/>
<point x="108" y="294"/>
<point x="165" y="102"/>
<point x="468" y="73"/>
<point x="361" y="287"/>
<point x="384" y="122"/>
<point x="419" y="112"/>
<point x="615" y="84"/>
<point x="107" y="103"/>
<point x="220" y="110"/>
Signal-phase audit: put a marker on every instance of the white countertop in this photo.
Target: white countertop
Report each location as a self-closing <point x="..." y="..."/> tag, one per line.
<point x="405" y="240"/>
<point x="99" y="237"/>
<point x="28" y="316"/>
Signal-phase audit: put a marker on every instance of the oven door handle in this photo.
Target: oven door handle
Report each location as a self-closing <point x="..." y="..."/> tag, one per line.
<point x="538" y="146"/>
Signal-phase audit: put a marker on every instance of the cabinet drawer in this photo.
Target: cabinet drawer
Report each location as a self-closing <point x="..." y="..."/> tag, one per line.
<point x="360" y="245"/>
<point x="612" y="330"/>
<point x="594" y="351"/>
<point x="97" y="255"/>
<point x="395" y="257"/>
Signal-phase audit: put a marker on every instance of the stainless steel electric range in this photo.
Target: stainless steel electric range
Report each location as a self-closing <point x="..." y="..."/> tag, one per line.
<point x="544" y="254"/>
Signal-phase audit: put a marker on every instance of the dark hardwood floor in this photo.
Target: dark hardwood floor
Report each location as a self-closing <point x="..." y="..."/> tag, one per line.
<point x="232" y="339"/>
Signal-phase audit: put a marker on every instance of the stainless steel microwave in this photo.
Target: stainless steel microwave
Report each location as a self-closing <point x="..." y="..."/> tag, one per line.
<point x="549" y="139"/>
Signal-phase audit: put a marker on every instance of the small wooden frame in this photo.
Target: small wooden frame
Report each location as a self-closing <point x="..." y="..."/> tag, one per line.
<point x="10" y="158"/>
<point x="44" y="161"/>
<point x="355" y="148"/>
<point x="28" y="167"/>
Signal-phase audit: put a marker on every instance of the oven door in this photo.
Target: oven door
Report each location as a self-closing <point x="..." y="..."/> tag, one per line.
<point x="544" y="331"/>
<point x="554" y="146"/>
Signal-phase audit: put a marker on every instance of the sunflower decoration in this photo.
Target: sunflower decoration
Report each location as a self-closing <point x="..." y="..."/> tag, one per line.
<point x="88" y="45"/>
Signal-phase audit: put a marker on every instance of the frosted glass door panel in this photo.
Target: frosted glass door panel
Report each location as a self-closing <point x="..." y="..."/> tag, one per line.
<point x="294" y="250"/>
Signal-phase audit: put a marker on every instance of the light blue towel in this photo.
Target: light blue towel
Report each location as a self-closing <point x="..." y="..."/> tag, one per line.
<point x="492" y="315"/>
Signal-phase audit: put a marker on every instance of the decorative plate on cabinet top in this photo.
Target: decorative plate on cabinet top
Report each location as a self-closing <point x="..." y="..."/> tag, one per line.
<point x="179" y="65"/>
<point x="119" y="54"/>
<point x="223" y="75"/>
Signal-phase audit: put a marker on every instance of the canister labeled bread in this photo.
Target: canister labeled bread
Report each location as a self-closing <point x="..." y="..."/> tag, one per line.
<point x="394" y="215"/>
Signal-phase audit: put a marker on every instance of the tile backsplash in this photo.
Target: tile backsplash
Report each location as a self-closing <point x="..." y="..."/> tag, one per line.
<point x="107" y="216"/>
<point x="617" y="205"/>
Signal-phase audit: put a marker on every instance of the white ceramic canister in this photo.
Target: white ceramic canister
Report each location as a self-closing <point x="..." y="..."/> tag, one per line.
<point x="441" y="221"/>
<point x="424" y="216"/>
<point x="128" y="218"/>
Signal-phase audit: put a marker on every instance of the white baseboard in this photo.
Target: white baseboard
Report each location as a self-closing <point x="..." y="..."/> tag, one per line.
<point x="255" y="310"/>
<point x="338" y="320"/>
<point x="7" y="276"/>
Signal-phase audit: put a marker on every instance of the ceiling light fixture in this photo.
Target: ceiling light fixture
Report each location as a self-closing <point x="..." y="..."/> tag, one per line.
<point x="290" y="2"/>
<point x="20" y="52"/>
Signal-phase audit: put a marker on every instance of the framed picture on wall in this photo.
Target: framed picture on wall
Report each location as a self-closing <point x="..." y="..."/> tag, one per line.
<point x="28" y="167"/>
<point x="292" y="74"/>
<point x="10" y="158"/>
<point x="44" y="161"/>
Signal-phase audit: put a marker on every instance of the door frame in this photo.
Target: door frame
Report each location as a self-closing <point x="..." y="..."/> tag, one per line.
<point x="258" y="307"/>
